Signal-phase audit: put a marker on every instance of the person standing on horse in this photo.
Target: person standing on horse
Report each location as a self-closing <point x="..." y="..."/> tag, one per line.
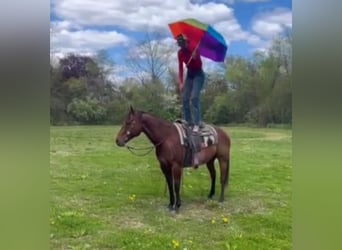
<point x="190" y="89"/>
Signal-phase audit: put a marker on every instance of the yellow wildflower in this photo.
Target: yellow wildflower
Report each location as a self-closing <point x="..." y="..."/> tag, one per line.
<point x="175" y="243"/>
<point x="132" y="197"/>
<point x="225" y="220"/>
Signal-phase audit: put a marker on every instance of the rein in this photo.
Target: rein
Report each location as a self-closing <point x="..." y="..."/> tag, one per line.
<point x="149" y="149"/>
<point x="130" y="148"/>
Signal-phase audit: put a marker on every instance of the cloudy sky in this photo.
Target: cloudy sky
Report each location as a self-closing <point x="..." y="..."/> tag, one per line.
<point x="87" y="26"/>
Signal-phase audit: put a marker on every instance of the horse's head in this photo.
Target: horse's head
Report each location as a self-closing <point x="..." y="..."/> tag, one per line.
<point x="132" y="127"/>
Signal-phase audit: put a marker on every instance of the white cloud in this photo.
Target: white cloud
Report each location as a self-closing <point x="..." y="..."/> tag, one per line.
<point x="119" y="74"/>
<point x="136" y="15"/>
<point x="81" y="19"/>
<point x="231" y="2"/>
<point x="273" y="23"/>
<point x="228" y="2"/>
<point x="78" y="32"/>
<point x="254" y="1"/>
<point x="231" y="30"/>
<point x="86" y="42"/>
<point x="57" y="26"/>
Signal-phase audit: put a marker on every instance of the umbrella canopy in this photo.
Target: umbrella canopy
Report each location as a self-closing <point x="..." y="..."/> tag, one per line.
<point x="210" y="43"/>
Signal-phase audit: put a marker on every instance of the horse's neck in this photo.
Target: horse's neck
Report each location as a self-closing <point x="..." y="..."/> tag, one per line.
<point x="154" y="128"/>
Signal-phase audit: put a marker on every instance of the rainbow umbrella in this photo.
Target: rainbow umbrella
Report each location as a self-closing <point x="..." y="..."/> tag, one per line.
<point x="210" y="43"/>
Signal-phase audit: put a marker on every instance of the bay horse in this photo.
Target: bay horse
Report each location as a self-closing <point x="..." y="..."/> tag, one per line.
<point x="170" y="153"/>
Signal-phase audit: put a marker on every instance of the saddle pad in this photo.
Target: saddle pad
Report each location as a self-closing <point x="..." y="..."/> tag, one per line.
<point x="208" y="134"/>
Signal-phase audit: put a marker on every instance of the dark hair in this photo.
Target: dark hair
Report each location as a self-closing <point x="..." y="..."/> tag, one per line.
<point x="181" y="38"/>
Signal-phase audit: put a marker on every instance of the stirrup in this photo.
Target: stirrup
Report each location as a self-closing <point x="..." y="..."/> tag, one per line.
<point x="196" y="129"/>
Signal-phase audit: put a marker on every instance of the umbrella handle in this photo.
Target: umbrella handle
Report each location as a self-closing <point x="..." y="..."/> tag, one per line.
<point x="193" y="52"/>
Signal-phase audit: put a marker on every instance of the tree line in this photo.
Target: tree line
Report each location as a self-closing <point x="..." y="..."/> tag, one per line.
<point x="254" y="90"/>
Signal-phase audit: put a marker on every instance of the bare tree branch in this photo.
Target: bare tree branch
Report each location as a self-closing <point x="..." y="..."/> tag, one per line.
<point x="151" y="59"/>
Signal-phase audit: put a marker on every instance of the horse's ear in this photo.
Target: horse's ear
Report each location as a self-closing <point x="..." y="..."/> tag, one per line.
<point x="131" y="110"/>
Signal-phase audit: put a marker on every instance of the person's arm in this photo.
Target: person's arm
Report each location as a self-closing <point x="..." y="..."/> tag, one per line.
<point x="180" y="71"/>
<point x="194" y="53"/>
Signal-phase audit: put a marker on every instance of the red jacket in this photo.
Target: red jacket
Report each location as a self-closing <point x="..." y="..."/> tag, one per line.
<point x="184" y="56"/>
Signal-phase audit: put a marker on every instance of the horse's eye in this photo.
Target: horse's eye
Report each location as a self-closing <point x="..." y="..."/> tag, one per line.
<point x="129" y="122"/>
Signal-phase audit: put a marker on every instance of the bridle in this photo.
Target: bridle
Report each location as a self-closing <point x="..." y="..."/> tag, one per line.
<point x="149" y="149"/>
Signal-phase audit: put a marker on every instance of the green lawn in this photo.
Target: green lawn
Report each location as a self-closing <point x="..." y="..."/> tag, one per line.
<point x="104" y="197"/>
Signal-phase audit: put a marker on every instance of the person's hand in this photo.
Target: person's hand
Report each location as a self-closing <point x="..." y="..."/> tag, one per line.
<point x="180" y="86"/>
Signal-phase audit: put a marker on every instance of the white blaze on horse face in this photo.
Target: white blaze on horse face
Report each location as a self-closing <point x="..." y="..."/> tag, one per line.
<point x="128" y="132"/>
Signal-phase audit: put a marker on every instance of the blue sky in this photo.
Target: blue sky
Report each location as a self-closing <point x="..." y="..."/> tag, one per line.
<point x="87" y="26"/>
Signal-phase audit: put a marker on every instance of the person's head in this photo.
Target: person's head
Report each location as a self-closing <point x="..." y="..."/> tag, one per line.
<point x="182" y="41"/>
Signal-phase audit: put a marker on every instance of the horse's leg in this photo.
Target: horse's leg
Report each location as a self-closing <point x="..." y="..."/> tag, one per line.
<point x="212" y="172"/>
<point x="168" y="176"/>
<point x="177" y="174"/>
<point x="224" y="167"/>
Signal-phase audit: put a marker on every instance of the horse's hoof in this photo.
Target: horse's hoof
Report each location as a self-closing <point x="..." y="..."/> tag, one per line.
<point x="173" y="210"/>
<point x="210" y="197"/>
<point x="221" y="200"/>
<point x="173" y="207"/>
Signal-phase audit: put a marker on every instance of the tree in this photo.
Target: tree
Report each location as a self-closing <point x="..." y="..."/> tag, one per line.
<point x="261" y="86"/>
<point x="242" y="82"/>
<point x="151" y="59"/>
<point x="220" y="111"/>
<point x="77" y="66"/>
<point x="215" y="85"/>
<point x="173" y="93"/>
<point x="87" y="111"/>
<point x="79" y="80"/>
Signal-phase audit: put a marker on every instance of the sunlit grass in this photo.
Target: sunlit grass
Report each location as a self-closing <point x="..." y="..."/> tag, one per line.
<point x="104" y="197"/>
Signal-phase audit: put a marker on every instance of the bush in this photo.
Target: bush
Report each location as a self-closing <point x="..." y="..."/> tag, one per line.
<point x="87" y="111"/>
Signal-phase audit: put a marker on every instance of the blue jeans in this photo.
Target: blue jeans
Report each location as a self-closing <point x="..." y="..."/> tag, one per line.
<point x="191" y="93"/>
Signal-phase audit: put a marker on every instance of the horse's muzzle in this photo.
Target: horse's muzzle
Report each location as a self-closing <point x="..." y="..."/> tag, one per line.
<point x="120" y="143"/>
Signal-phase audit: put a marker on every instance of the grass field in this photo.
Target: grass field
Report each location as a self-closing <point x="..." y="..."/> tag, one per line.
<point x="104" y="197"/>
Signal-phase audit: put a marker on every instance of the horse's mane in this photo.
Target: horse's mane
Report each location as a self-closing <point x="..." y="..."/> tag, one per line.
<point x="141" y="113"/>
